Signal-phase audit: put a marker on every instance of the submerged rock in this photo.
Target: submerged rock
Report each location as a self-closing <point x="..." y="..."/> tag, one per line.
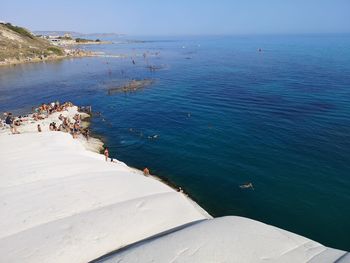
<point x="132" y="86"/>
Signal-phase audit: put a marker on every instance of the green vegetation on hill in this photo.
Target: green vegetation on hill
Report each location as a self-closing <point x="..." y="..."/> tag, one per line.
<point x="56" y="50"/>
<point x="82" y="40"/>
<point x="65" y="38"/>
<point x="20" y="30"/>
<point x="17" y="43"/>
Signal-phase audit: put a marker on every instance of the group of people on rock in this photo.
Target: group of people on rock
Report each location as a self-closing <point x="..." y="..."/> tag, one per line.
<point x="44" y="109"/>
<point x="71" y="126"/>
<point x="42" y="112"/>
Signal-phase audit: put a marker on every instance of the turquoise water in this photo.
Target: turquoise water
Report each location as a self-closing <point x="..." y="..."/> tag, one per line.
<point x="226" y="114"/>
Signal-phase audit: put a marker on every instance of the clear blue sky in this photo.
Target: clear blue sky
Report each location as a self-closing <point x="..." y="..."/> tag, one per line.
<point x="181" y="17"/>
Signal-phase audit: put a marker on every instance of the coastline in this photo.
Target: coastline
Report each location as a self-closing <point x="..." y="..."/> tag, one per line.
<point x="65" y="43"/>
<point x="93" y="208"/>
<point x="96" y="145"/>
<point x="77" y="54"/>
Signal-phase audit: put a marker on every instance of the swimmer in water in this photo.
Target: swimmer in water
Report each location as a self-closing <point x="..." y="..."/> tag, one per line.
<point x="247" y="186"/>
<point x="153" y="136"/>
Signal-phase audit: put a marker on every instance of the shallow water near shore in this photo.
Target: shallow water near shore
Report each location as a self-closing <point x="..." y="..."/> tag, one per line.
<point x="225" y="114"/>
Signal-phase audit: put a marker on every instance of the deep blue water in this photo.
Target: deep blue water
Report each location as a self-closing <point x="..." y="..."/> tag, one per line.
<point x="225" y="114"/>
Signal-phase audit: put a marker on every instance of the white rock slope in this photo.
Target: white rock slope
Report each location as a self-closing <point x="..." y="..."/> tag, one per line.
<point x="60" y="202"/>
<point x="229" y="239"/>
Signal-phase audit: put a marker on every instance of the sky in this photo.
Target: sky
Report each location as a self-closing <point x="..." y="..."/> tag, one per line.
<point x="181" y="17"/>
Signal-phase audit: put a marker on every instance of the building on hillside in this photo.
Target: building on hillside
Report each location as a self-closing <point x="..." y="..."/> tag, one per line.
<point x="55" y="41"/>
<point x="53" y="37"/>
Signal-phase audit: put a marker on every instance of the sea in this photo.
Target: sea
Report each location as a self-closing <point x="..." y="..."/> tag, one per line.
<point x="222" y="112"/>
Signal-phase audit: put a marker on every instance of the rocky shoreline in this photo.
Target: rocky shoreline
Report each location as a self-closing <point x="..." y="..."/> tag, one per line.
<point x="63" y="202"/>
<point x="71" y="54"/>
<point x="18" y="45"/>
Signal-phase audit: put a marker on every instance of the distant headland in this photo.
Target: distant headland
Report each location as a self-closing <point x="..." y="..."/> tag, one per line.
<point x="19" y="45"/>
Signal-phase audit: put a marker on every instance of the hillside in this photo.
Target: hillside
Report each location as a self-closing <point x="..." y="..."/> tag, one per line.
<point x="17" y="44"/>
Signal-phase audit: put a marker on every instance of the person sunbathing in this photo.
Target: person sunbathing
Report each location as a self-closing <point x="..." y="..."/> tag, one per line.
<point x="76" y="117"/>
<point x="35" y="116"/>
<point x="52" y="126"/>
<point x="71" y="128"/>
<point x="57" y="105"/>
<point x="17" y="122"/>
<point x="75" y="130"/>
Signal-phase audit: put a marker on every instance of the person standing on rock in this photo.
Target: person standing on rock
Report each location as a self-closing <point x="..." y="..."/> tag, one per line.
<point x="10" y="121"/>
<point x="146" y="171"/>
<point x="106" y="153"/>
<point x="87" y="134"/>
